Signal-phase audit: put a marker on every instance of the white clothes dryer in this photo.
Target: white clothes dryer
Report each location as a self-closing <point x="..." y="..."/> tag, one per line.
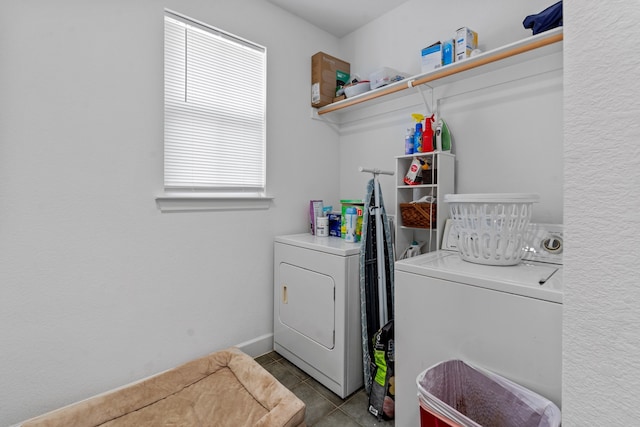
<point x="317" y="309"/>
<point x="507" y="319"/>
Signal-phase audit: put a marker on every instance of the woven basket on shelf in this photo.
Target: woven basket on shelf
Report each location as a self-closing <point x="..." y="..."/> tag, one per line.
<point x="418" y="215"/>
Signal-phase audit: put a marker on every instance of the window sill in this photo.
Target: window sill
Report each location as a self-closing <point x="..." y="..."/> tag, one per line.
<point x="176" y="202"/>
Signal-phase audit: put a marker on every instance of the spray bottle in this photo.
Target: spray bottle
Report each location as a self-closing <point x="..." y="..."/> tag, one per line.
<point x="408" y="142"/>
<point x="417" y="135"/>
<point x="427" y="136"/>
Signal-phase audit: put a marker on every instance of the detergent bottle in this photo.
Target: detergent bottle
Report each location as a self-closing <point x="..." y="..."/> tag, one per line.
<point x="408" y="142"/>
<point x="427" y="135"/>
<point x="351" y="218"/>
<point x="417" y="135"/>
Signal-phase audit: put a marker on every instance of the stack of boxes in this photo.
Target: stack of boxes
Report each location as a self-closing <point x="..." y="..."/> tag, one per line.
<point x="452" y="50"/>
<point x="329" y="74"/>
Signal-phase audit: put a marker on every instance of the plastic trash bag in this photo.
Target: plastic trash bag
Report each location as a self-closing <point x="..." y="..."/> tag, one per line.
<point x="549" y="18"/>
<point x="382" y="396"/>
<point x="468" y="396"/>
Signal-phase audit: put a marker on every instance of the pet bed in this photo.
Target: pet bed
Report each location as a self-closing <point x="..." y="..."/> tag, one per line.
<point x="225" y="388"/>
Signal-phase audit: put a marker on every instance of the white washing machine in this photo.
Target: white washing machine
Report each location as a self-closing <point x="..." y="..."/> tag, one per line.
<point x="507" y="319"/>
<point x="317" y="309"/>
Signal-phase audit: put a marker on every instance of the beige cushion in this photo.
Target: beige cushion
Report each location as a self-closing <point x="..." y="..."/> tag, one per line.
<point x="225" y="388"/>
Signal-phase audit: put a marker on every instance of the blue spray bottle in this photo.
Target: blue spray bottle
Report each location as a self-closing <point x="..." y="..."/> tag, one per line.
<point x="417" y="135"/>
<point x="408" y="142"/>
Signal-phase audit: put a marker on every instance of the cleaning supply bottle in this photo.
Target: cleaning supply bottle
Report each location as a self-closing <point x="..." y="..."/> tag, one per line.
<point x="427" y="135"/>
<point x="414" y="174"/>
<point x="351" y="218"/>
<point x="443" y="136"/>
<point x="408" y="142"/>
<point x="417" y="135"/>
<point x="417" y="139"/>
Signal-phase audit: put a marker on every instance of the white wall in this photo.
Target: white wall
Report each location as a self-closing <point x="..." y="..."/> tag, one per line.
<point x="602" y="177"/>
<point x="593" y="192"/>
<point x="97" y="286"/>
<point x="506" y="137"/>
<point x="396" y="38"/>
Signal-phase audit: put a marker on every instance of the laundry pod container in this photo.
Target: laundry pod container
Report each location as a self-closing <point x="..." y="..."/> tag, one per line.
<point x="456" y="394"/>
<point x="359" y="206"/>
<point x="491" y="228"/>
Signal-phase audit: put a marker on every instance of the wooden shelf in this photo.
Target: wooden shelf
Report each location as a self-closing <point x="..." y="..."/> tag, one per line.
<point x="523" y="50"/>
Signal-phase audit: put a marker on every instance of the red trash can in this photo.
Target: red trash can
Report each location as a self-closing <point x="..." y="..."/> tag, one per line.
<point x="456" y="394"/>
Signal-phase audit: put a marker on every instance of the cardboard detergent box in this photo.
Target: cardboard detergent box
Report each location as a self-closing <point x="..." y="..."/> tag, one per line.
<point x="466" y="42"/>
<point x="432" y="57"/>
<point x="327" y="73"/>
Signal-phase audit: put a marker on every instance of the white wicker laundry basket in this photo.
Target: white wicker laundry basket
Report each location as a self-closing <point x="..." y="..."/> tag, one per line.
<point x="491" y="228"/>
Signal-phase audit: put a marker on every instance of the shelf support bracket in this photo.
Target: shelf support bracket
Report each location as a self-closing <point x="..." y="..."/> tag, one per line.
<point x="335" y="126"/>
<point x="427" y="103"/>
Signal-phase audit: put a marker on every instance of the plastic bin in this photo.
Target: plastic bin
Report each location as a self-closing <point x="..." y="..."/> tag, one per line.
<point x="456" y="394"/>
<point x="491" y="227"/>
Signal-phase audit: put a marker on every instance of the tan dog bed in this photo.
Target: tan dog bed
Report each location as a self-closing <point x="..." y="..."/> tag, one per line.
<point x="225" y="388"/>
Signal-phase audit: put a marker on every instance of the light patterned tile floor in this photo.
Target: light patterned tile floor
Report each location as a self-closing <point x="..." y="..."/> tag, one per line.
<point x="324" y="408"/>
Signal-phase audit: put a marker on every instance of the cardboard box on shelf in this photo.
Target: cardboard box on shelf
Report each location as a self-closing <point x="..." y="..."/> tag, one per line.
<point x="448" y="51"/>
<point x="466" y="42"/>
<point x="432" y="57"/>
<point x="325" y="72"/>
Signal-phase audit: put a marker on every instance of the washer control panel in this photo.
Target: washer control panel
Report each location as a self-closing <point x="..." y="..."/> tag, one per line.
<point x="545" y="243"/>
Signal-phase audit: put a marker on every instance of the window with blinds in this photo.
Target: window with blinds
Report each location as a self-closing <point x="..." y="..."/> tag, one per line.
<point x="214" y="107"/>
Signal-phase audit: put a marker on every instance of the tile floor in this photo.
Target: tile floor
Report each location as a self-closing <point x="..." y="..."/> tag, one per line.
<point x="324" y="408"/>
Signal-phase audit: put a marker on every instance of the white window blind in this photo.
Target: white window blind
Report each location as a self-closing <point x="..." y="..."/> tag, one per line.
<point x="215" y="101"/>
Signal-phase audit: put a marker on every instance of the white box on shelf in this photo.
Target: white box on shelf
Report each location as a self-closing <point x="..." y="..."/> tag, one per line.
<point x="466" y="42"/>
<point x="432" y="57"/>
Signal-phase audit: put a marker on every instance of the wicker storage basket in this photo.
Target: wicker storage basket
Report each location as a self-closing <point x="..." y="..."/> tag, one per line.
<point x="418" y="215"/>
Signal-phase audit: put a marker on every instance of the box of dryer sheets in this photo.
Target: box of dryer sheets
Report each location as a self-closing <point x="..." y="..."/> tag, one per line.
<point x="327" y="73"/>
<point x="432" y="57"/>
<point x="315" y="210"/>
<point x="466" y="42"/>
<point x="335" y="222"/>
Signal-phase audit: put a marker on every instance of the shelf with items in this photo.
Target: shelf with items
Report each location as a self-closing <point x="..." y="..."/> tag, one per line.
<point x="533" y="47"/>
<point x="438" y="180"/>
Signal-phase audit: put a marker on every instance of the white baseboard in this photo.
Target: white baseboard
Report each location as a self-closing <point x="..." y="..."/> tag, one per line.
<point x="257" y="346"/>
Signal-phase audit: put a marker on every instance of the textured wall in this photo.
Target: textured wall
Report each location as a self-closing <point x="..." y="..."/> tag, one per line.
<point x="602" y="214"/>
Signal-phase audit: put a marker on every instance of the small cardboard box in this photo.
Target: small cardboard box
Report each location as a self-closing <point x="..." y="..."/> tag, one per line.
<point x="315" y="210"/>
<point x="448" y="51"/>
<point x="466" y="42"/>
<point x="432" y="57"/>
<point x="335" y="222"/>
<point x="325" y="70"/>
